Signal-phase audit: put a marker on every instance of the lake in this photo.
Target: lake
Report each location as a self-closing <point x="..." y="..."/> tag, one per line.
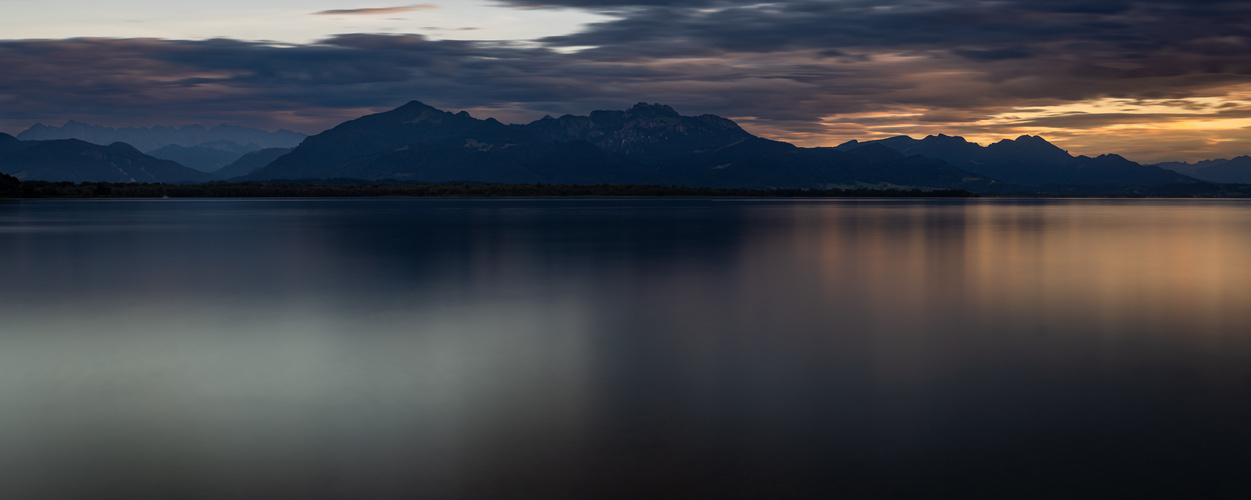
<point x="625" y="348"/>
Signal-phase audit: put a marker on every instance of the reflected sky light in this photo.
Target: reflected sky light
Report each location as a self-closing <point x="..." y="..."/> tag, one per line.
<point x="611" y="348"/>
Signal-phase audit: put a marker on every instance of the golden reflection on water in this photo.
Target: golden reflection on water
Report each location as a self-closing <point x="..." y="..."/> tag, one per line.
<point x="1123" y="267"/>
<point x="1127" y="267"/>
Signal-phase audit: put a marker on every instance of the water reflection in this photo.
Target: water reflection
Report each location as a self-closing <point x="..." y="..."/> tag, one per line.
<point x="624" y="348"/>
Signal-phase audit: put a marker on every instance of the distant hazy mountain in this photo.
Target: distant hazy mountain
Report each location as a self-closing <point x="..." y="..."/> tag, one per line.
<point x="153" y="138"/>
<point x="206" y="157"/>
<point x="648" y="143"/>
<point x="78" y="161"/>
<point x="1183" y="167"/>
<point x="250" y="162"/>
<point x="1030" y="160"/>
<point x="1233" y="171"/>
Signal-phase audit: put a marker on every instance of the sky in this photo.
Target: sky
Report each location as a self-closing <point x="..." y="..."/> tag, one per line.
<point x="1152" y="80"/>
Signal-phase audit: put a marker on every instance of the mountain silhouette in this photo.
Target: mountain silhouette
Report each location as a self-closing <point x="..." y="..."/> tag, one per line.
<point x="79" y="161"/>
<point x="152" y="138"/>
<point x="249" y="162"/>
<point x="1030" y="160"/>
<point x="1232" y="171"/>
<point x="712" y="151"/>
<point x="207" y="157"/>
<point x="648" y="132"/>
<point x="646" y="144"/>
<point x="8" y="142"/>
<point x="420" y="143"/>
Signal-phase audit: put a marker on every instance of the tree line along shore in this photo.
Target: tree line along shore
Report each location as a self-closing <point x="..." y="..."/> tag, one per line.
<point x="12" y="188"/>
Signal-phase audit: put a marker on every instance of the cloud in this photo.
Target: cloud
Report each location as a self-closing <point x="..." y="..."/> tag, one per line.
<point x="809" y="71"/>
<point x="375" y="11"/>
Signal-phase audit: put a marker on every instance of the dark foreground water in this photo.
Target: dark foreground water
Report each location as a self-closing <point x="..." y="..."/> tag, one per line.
<point x="625" y="349"/>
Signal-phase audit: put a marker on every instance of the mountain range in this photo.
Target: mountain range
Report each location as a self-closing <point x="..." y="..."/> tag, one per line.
<point x="419" y="143"/>
<point x="149" y="139"/>
<point x="78" y="161"/>
<point x="207" y="157"/>
<point x="645" y="144"/>
<point x="1234" y="170"/>
<point x="1030" y="161"/>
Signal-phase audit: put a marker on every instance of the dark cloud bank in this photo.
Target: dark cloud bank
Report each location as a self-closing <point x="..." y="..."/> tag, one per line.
<point x="796" y="70"/>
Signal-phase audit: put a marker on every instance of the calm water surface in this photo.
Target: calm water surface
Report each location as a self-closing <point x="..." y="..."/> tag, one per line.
<point x="644" y="348"/>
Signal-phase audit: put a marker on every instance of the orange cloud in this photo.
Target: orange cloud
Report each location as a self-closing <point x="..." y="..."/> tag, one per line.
<point x="375" y="11"/>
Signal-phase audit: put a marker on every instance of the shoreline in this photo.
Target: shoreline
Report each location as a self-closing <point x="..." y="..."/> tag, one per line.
<point x="351" y="188"/>
<point x="362" y="189"/>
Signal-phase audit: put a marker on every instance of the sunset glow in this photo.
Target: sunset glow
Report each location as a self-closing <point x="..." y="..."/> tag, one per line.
<point x="1150" y="81"/>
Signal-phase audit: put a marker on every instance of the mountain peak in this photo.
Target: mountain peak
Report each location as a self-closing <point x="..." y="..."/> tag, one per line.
<point x="1037" y="147"/>
<point x="657" y="109"/>
<point x="417" y="108"/>
<point x="1034" y="139"/>
<point x="415" y="104"/>
<point x="1030" y="141"/>
<point x="412" y="112"/>
<point x="946" y="138"/>
<point x="123" y="146"/>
